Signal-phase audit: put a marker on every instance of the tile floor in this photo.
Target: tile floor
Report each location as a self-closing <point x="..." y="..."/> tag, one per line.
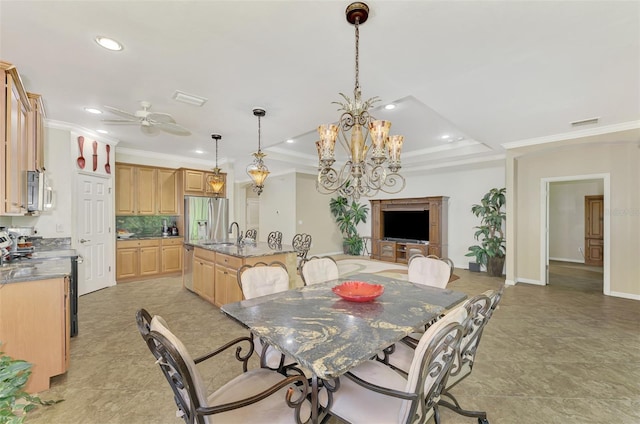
<point x="561" y="354"/>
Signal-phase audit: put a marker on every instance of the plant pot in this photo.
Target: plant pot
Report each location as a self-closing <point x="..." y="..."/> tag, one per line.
<point x="474" y="267"/>
<point x="495" y="266"/>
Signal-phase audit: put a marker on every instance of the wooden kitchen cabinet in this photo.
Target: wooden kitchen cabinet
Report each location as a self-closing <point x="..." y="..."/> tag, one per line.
<point x="14" y="110"/>
<point x="144" y="190"/>
<point x="227" y="289"/>
<point x="204" y="273"/>
<point x="194" y="183"/>
<point x="35" y="135"/>
<point x="34" y="326"/>
<point x="168" y="192"/>
<point x="171" y="255"/>
<point x="137" y="258"/>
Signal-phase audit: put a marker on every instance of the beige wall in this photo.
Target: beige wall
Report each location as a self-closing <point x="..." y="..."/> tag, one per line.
<point x="618" y="156"/>
<point x="314" y="218"/>
<point x="277" y="207"/>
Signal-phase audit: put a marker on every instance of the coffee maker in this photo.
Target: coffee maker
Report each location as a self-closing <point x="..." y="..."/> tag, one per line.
<point x="165" y="228"/>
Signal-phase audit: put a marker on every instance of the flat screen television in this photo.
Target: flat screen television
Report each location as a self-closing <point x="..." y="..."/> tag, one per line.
<point x="405" y="225"/>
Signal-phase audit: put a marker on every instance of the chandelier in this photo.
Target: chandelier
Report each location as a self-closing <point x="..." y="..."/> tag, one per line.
<point x="366" y="140"/>
<point x="257" y="170"/>
<point x="216" y="180"/>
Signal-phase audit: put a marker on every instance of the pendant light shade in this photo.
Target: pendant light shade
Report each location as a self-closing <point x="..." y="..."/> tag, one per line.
<point x="216" y="180"/>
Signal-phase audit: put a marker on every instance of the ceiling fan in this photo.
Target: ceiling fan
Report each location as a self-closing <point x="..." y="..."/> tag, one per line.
<point x="150" y="122"/>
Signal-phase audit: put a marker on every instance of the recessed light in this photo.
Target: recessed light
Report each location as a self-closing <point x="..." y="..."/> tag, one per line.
<point x="200" y="152"/>
<point x="290" y="141"/>
<point x="390" y="106"/>
<point x="445" y="137"/>
<point x="108" y="43"/>
<point x="103" y="131"/>
<point x="93" y="110"/>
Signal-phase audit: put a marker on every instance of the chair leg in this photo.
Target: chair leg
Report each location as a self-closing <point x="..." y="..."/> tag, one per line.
<point x="455" y="407"/>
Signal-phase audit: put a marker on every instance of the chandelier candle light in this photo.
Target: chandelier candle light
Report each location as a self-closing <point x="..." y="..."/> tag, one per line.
<point x="257" y="170"/>
<point x="365" y="139"/>
<point x="216" y="180"/>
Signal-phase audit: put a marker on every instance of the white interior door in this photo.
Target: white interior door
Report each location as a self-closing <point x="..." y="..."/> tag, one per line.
<point x="93" y="236"/>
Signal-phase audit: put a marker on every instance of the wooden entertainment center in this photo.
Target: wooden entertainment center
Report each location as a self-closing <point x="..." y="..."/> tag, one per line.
<point x="400" y="251"/>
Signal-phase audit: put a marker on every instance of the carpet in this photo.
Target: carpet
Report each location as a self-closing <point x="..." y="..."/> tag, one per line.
<point x="348" y="267"/>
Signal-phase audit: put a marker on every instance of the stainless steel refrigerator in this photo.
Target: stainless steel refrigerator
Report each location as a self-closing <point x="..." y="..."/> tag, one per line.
<point x="205" y="218"/>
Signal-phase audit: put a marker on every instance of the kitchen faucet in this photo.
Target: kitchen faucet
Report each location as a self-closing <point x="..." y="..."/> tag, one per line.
<point x="239" y="233"/>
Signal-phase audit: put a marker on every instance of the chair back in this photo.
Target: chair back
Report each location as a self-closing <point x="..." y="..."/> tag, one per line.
<point x="178" y="368"/>
<point x="275" y="239"/>
<point x="430" y="271"/>
<point x="301" y="243"/>
<point x="262" y="279"/>
<point x="252" y="234"/>
<point x="318" y="270"/>
<point x="432" y="361"/>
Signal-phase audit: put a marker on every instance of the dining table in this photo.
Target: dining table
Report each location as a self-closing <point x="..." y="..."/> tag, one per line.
<point x="328" y="335"/>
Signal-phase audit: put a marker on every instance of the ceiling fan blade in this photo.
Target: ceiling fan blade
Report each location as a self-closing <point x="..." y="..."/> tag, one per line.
<point x="161" y="117"/>
<point x="122" y="113"/>
<point x="149" y="130"/>
<point x="171" y="128"/>
<point x="120" y="121"/>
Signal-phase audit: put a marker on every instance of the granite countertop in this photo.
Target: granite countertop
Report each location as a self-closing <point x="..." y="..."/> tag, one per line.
<point x="42" y="264"/>
<point x="244" y="250"/>
<point x="29" y="270"/>
<point x="147" y="237"/>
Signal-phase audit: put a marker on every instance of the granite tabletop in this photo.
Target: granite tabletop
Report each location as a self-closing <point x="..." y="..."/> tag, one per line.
<point x="247" y="250"/>
<point x="329" y="335"/>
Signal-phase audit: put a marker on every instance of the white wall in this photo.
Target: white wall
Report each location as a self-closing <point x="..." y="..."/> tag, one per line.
<point x="278" y="207"/>
<point x="314" y="217"/>
<point x="566" y="217"/>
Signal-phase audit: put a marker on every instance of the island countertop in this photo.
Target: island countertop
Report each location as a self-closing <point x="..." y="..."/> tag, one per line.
<point x="249" y="250"/>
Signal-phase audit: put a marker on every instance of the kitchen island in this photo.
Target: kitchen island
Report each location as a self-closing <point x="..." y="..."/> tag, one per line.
<point x="214" y="267"/>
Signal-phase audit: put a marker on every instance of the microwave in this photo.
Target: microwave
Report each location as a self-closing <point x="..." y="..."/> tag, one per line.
<point x="39" y="195"/>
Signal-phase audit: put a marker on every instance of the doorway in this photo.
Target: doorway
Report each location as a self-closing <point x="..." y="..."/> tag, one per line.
<point x="93" y="237"/>
<point x="564" y="232"/>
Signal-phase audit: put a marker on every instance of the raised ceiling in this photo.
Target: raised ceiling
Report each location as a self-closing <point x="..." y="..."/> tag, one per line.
<point x="484" y="72"/>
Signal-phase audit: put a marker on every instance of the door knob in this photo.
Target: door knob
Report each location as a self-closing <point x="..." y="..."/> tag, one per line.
<point x="84" y="241"/>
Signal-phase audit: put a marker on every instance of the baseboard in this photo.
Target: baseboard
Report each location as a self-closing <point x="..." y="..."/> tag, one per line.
<point x="529" y="281"/>
<point x="575" y="261"/>
<point x="625" y="295"/>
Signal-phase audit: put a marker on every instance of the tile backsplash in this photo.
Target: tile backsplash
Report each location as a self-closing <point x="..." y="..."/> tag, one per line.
<point x="144" y="225"/>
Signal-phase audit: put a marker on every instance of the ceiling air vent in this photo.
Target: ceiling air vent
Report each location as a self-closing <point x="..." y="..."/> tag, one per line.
<point x="181" y="96"/>
<point x="583" y="122"/>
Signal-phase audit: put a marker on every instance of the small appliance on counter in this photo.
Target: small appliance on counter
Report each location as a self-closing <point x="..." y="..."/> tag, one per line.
<point x="165" y="228"/>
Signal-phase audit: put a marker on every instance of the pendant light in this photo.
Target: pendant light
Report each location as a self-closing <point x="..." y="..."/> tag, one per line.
<point x="257" y="170"/>
<point x="216" y="180"/>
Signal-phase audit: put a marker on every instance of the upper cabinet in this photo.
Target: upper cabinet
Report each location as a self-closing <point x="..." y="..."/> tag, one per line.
<point x="35" y="135"/>
<point x="21" y="132"/>
<point x="143" y="190"/>
<point x="194" y="183"/>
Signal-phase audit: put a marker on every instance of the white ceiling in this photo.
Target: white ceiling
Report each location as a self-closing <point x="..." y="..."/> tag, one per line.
<point x="484" y="72"/>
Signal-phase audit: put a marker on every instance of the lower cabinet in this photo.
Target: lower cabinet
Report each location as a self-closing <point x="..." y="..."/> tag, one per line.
<point x="227" y="288"/>
<point x="34" y="326"/>
<point x="137" y="259"/>
<point x="204" y="266"/>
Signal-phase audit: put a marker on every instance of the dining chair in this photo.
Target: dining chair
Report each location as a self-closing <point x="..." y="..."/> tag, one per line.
<point x="468" y="350"/>
<point x="261" y="279"/>
<point x="373" y="392"/>
<point x="430" y="270"/>
<point x="252" y="234"/>
<point x="318" y="269"/>
<point x="245" y="398"/>
<point x="274" y="239"/>
<point x="258" y="280"/>
<point x="301" y="244"/>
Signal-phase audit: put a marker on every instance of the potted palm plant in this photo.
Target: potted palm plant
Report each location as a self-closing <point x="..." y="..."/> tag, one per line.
<point x="492" y="248"/>
<point x="348" y="215"/>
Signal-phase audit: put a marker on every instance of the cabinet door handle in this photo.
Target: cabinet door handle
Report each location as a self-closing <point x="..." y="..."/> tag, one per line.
<point x="84" y="241"/>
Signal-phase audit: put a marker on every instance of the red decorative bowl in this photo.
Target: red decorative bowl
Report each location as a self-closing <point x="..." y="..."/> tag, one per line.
<point x="358" y="291"/>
